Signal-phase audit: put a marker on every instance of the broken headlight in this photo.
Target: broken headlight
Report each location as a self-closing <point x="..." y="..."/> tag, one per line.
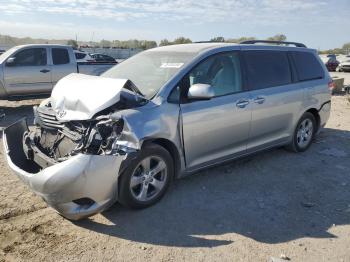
<point x="103" y="135"/>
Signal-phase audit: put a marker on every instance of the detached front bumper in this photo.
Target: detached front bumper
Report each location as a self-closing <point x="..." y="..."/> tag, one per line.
<point x="78" y="187"/>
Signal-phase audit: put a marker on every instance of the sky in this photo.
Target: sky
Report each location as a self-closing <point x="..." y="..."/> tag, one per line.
<point x="320" y="24"/>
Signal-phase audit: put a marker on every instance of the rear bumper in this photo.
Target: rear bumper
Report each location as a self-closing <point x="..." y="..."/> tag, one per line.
<point x="78" y="187"/>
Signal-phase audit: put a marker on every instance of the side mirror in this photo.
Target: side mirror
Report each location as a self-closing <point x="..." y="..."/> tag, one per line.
<point x="201" y="92"/>
<point x="11" y="61"/>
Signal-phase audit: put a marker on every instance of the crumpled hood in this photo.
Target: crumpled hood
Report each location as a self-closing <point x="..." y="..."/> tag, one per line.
<point x="80" y="97"/>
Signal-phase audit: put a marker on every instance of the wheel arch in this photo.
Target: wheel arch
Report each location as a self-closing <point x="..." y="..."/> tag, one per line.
<point x="171" y="148"/>
<point x="316" y="115"/>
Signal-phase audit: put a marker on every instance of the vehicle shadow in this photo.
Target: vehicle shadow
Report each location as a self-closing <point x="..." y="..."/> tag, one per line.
<point x="272" y="197"/>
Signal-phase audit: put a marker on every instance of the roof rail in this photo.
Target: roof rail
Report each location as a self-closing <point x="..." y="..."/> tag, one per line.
<point x="273" y="42"/>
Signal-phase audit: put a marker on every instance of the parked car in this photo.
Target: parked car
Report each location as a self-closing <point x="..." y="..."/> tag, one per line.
<point x="103" y="58"/>
<point x="31" y="71"/>
<point x="82" y="57"/>
<point x="162" y="114"/>
<point x="332" y="64"/>
<point x="332" y="56"/>
<point x="2" y="51"/>
<point x="344" y="66"/>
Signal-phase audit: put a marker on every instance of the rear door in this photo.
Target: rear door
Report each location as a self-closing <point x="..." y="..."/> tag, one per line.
<point x="218" y="128"/>
<point x="30" y="73"/>
<point x="62" y="64"/>
<point x="275" y="99"/>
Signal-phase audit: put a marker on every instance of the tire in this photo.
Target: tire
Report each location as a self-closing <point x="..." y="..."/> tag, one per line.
<point x="139" y="186"/>
<point x="303" y="135"/>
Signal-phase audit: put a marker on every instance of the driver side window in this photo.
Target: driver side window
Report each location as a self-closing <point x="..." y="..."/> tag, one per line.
<point x="221" y="71"/>
<point x="31" y="57"/>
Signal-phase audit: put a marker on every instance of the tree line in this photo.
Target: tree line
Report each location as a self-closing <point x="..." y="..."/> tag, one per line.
<point x="7" y="40"/>
<point x="146" y="44"/>
<point x="344" y="50"/>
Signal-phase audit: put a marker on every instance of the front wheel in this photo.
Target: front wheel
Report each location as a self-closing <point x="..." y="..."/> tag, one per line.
<point x="304" y="133"/>
<point x="146" y="179"/>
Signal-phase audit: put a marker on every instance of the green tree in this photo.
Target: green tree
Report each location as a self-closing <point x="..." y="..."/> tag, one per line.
<point x="164" y="42"/>
<point x="182" y="40"/>
<point x="105" y="43"/>
<point x="145" y="44"/>
<point x="72" y="43"/>
<point x="217" y="39"/>
<point x="238" y="40"/>
<point x="346" y="48"/>
<point x="278" y="37"/>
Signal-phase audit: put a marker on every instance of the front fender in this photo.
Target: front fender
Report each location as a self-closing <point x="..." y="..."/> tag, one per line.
<point x="150" y="122"/>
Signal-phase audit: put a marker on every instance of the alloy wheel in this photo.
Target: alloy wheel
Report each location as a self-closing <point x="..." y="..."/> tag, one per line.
<point x="148" y="179"/>
<point x="305" y="133"/>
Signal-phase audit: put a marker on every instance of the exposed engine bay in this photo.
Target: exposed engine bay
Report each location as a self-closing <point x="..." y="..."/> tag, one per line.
<point x="55" y="140"/>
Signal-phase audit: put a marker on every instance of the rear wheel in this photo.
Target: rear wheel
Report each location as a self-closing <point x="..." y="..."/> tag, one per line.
<point x="304" y="133"/>
<point x="146" y="179"/>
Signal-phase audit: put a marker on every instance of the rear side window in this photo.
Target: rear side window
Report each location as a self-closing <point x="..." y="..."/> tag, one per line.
<point x="80" y="55"/>
<point x="267" y="69"/>
<point x="60" y="56"/>
<point x="307" y="66"/>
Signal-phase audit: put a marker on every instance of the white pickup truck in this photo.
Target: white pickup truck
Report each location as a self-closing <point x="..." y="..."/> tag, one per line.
<point x="31" y="71"/>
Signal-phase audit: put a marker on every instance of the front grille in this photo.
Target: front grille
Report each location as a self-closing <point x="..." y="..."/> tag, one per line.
<point x="46" y="118"/>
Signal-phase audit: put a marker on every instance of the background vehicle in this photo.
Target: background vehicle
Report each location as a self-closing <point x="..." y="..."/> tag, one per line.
<point x="83" y="57"/>
<point x="103" y="58"/>
<point x="165" y="113"/>
<point x="30" y="71"/>
<point x="2" y="51"/>
<point x="344" y="66"/>
<point x="332" y="64"/>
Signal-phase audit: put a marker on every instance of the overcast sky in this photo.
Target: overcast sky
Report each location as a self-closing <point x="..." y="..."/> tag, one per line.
<point x="319" y="24"/>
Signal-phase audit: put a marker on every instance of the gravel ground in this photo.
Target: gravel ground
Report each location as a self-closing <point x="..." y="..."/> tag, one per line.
<point x="271" y="205"/>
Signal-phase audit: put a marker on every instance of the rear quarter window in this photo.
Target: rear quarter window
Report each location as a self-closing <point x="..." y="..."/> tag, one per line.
<point x="267" y="68"/>
<point x="307" y="66"/>
<point x="60" y="56"/>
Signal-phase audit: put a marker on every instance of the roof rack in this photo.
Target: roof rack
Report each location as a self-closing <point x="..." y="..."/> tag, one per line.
<point x="273" y="42"/>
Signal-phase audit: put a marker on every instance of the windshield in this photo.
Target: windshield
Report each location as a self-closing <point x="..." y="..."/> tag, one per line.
<point x="150" y="70"/>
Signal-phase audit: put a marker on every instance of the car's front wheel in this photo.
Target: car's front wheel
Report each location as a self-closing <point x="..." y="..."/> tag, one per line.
<point x="146" y="179"/>
<point x="303" y="133"/>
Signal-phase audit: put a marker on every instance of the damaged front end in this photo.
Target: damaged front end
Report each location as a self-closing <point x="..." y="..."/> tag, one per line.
<point x="73" y="164"/>
<point x="54" y="141"/>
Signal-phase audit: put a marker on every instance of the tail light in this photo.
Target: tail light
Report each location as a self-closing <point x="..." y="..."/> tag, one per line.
<point x="331" y="85"/>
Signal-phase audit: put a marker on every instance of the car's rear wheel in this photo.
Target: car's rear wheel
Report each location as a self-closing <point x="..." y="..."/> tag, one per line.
<point x="146" y="179"/>
<point x="304" y="133"/>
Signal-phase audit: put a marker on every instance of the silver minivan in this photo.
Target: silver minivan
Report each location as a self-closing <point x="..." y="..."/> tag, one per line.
<point x="165" y="113"/>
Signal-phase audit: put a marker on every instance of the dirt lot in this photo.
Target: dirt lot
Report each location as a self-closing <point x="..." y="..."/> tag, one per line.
<point x="252" y="209"/>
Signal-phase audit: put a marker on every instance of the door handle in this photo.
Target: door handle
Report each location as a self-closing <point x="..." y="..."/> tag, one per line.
<point x="259" y="100"/>
<point x="242" y="103"/>
<point x="44" y="71"/>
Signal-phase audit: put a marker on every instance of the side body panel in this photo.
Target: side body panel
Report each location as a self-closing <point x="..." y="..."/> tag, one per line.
<point x="273" y="120"/>
<point x="215" y="129"/>
<point x="28" y="80"/>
